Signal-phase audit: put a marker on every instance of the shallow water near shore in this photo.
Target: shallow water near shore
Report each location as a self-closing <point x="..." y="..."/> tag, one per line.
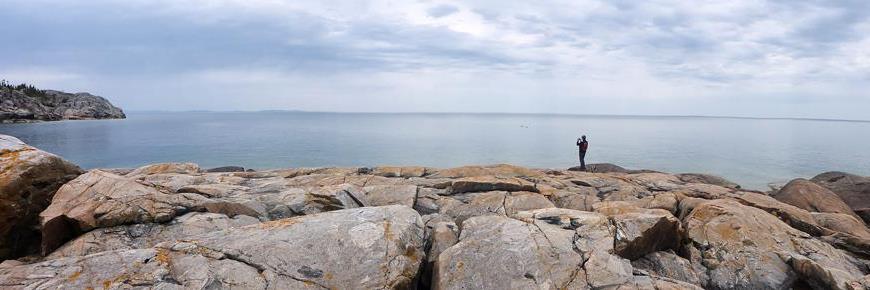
<point x="751" y="152"/>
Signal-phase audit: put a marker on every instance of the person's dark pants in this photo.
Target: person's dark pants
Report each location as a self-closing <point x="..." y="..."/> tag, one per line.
<point x="583" y="160"/>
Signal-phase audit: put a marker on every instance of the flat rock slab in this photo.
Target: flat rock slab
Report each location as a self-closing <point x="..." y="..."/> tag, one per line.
<point x="365" y="248"/>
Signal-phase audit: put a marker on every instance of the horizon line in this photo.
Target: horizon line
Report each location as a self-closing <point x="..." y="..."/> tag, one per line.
<point x="509" y="113"/>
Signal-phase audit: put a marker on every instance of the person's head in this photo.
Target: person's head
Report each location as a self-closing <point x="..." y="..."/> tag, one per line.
<point x="583" y="137"/>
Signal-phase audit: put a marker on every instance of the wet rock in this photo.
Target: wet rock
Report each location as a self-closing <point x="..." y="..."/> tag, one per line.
<point x="807" y="195"/>
<point x="707" y="179"/>
<point x="226" y="169"/>
<point x="29" y="178"/>
<point x="382" y="249"/>
<point x="100" y="199"/>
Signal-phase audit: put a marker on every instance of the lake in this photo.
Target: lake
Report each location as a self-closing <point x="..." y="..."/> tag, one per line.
<point x="752" y="152"/>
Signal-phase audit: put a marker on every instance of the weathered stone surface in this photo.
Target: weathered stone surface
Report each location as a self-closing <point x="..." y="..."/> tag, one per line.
<point x="380" y="195"/>
<point x="500" y="170"/>
<point x="668" y="264"/>
<point x="162" y="168"/>
<point x="572" y="200"/>
<point x="464" y="206"/>
<point x="382" y="249"/>
<point x="707" y="179"/>
<point x="852" y="189"/>
<point x="395" y="171"/>
<point x="473" y="237"/>
<point x="643" y="231"/>
<point x="744" y="247"/>
<point x="100" y="199"/>
<point x="496" y="252"/>
<point x="490" y="183"/>
<point x="29" y="178"/>
<point x="147" y="235"/>
<point x="807" y="195"/>
<point x="605" y="168"/>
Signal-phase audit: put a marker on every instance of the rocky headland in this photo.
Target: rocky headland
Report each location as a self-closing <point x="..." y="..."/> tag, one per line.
<point x="27" y="104"/>
<point x="177" y="226"/>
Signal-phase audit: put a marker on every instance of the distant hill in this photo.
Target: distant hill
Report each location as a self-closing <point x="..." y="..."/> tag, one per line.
<point x="25" y="103"/>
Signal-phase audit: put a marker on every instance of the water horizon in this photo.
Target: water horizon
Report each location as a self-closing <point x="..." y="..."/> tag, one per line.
<point x="753" y="152"/>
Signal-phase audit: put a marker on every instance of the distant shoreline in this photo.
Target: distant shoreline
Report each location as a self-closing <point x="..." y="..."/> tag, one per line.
<point x="506" y="114"/>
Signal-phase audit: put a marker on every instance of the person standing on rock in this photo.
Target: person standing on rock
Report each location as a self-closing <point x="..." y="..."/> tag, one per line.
<point x="583" y="145"/>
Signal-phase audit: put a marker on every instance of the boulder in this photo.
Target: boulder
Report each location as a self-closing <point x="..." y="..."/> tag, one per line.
<point x="100" y="199"/>
<point x="29" y="178"/>
<point x="490" y="183"/>
<point x="643" y="231"/>
<point x="381" y="247"/>
<point x="179" y="168"/>
<point x="743" y="247"/>
<point x="226" y="169"/>
<point x="499" y="170"/>
<point x="380" y="195"/>
<point x="496" y="252"/>
<point x="807" y="195"/>
<point x="604" y="168"/>
<point x="395" y="171"/>
<point x="707" y="179"/>
<point x="852" y="189"/>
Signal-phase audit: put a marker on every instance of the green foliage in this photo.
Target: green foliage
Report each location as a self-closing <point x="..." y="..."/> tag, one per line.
<point x="28" y="90"/>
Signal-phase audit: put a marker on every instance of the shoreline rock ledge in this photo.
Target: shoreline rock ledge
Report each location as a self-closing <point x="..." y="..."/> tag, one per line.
<point x="177" y="226"/>
<point x="26" y="104"/>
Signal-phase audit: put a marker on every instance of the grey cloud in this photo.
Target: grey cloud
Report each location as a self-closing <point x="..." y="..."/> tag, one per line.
<point x="442" y="10"/>
<point x="313" y="55"/>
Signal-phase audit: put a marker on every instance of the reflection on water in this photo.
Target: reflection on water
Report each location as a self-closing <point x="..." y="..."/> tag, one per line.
<point x="752" y="152"/>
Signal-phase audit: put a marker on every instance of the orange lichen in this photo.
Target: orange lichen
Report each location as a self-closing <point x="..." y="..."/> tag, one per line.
<point x="388" y="233"/>
<point x="74" y="276"/>
<point x="278" y="223"/>
<point x="163" y="257"/>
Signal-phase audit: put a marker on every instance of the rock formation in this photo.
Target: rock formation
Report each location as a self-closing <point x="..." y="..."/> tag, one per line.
<point x="853" y="189"/>
<point x="176" y="226"/>
<point x="29" y="178"/>
<point x="35" y="105"/>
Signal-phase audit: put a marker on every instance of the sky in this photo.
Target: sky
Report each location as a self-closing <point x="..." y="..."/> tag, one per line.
<point x="779" y="58"/>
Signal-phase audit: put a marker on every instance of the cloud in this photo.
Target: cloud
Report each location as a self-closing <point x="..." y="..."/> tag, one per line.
<point x="441" y="10"/>
<point x="587" y="56"/>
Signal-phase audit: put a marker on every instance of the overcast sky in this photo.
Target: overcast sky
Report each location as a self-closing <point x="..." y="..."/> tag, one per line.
<point x="784" y="58"/>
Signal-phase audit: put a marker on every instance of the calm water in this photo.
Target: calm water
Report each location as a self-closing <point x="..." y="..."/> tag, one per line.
<point x="751" y="152"/>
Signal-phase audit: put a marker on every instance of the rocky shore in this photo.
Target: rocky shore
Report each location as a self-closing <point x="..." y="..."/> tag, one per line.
<point x="32" y="105"/>
<point x="177" y="226"/>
